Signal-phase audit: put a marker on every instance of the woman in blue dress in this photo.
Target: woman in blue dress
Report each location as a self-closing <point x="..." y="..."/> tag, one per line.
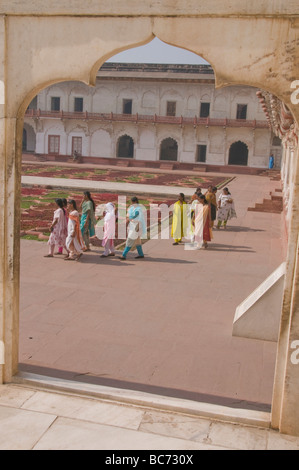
<point x="136" y="228"/>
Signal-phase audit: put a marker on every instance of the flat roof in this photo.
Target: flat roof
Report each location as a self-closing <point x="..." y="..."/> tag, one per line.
<point x="144" y="71"/>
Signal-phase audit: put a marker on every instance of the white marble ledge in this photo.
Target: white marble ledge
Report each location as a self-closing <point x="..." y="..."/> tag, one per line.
<point x="40" y="419"/>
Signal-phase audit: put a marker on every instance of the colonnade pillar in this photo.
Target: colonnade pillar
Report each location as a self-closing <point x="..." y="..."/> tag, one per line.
<point x="9" y="226"/>
<point x="285" y="410"/>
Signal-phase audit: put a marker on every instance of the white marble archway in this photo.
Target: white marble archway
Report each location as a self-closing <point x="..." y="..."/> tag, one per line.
<point x="41" y="46"/>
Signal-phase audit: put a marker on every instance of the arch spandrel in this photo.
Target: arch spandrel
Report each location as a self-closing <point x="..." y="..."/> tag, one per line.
<point x="255" y="52"/>
<point x="258" y="52"/>
<point x="47" y="50"/>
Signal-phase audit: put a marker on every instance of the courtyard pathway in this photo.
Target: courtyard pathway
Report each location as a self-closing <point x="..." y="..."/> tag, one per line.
<point x="163" y="323"/>
<point x="158" y="327"/>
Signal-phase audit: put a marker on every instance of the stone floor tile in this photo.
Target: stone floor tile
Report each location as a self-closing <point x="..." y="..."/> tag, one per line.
<point x="71" y="434"/>
<point x="85" y="409"/>
<point x="238" y="437"/>
<point x="13" y="396"/>
<point x="277" y="441"/>
<point x="176" y="425"/>
<point x="21" y="429"/>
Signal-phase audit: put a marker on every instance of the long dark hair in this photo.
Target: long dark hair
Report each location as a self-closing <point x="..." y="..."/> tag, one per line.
<point x="73" y="202"/>
<point x="59" y="203"/>
<point x="203" y="197"/>
<point x="87" y="193"/>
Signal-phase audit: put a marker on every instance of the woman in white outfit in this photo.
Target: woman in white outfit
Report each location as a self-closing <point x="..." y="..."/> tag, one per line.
<point x="74" y="242"/>
<point x="109" y="230"/>
<point x="226" y="208"/>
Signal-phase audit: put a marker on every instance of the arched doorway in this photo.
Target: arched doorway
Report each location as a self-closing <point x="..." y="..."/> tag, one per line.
<point x="125" y="147"/>
<point x="169" y="150"/>
<point x="278" y="82"/>
<point x="29" y="139"/>
<point x="238" y="154"/>
<point x="167" y="144"/>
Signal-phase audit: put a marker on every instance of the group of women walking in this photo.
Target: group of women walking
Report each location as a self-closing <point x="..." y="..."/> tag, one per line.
<point x="68" y="231"/>
<point x="196" y="220"/>
<point x="72" y="233"/>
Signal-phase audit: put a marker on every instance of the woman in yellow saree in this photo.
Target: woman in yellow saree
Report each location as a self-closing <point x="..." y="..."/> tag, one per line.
<point x="179" y="220"/>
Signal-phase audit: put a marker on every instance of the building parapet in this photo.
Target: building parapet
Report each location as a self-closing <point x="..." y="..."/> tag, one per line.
<point x="145" y="118"/>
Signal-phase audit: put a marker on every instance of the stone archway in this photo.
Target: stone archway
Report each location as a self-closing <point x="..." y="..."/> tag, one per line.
<point x="48" y="44"/>
<point x="238" y="154"/>
<point x="125" y="147"/>
<point x="169" y="150"/>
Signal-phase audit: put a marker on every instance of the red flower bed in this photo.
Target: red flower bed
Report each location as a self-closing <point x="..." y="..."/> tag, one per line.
<point x="168" y="179"/>
<point x="33" y="191"/>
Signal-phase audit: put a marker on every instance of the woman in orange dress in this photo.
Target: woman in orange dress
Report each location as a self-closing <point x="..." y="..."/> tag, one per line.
<point x="74" y="242"/>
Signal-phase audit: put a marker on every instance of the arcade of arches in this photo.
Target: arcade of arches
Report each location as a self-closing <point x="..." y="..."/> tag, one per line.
<point x="43" y="43"/>
<point x="168" y="148"/>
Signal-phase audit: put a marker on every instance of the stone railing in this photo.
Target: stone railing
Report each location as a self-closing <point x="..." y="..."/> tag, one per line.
<point x="147" y="118"/>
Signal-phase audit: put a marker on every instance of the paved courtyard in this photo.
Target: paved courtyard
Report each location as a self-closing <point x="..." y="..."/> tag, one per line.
<point x="163" y="324"/>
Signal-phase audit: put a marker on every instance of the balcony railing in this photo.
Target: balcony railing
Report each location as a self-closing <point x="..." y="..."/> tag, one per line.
<point x="145" y="118"/>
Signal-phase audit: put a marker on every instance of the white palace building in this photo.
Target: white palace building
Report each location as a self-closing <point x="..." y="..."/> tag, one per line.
<point x="152" y="115"/>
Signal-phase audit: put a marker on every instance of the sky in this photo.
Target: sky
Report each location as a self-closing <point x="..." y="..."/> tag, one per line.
<point x="157" y="52"/>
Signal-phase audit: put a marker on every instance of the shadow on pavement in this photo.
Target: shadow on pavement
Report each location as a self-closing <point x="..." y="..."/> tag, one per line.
<point x="238" y="228"/>
<point x="153" y="389"/>
<point x="236" y="248"/>
<point x="96" y="259"/>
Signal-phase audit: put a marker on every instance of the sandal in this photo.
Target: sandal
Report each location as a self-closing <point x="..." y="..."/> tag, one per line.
<point x="69" y="259"/>
<point x="48" y="256"/>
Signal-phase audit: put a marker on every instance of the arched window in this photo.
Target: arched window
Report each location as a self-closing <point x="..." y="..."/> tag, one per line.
<point x="169" y="150"/>
<point x="238" y="154"/>
<point x="125" y="147"/>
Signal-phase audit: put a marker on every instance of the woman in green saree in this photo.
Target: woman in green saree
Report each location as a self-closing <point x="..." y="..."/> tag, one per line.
<point x="87" y="223"/>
